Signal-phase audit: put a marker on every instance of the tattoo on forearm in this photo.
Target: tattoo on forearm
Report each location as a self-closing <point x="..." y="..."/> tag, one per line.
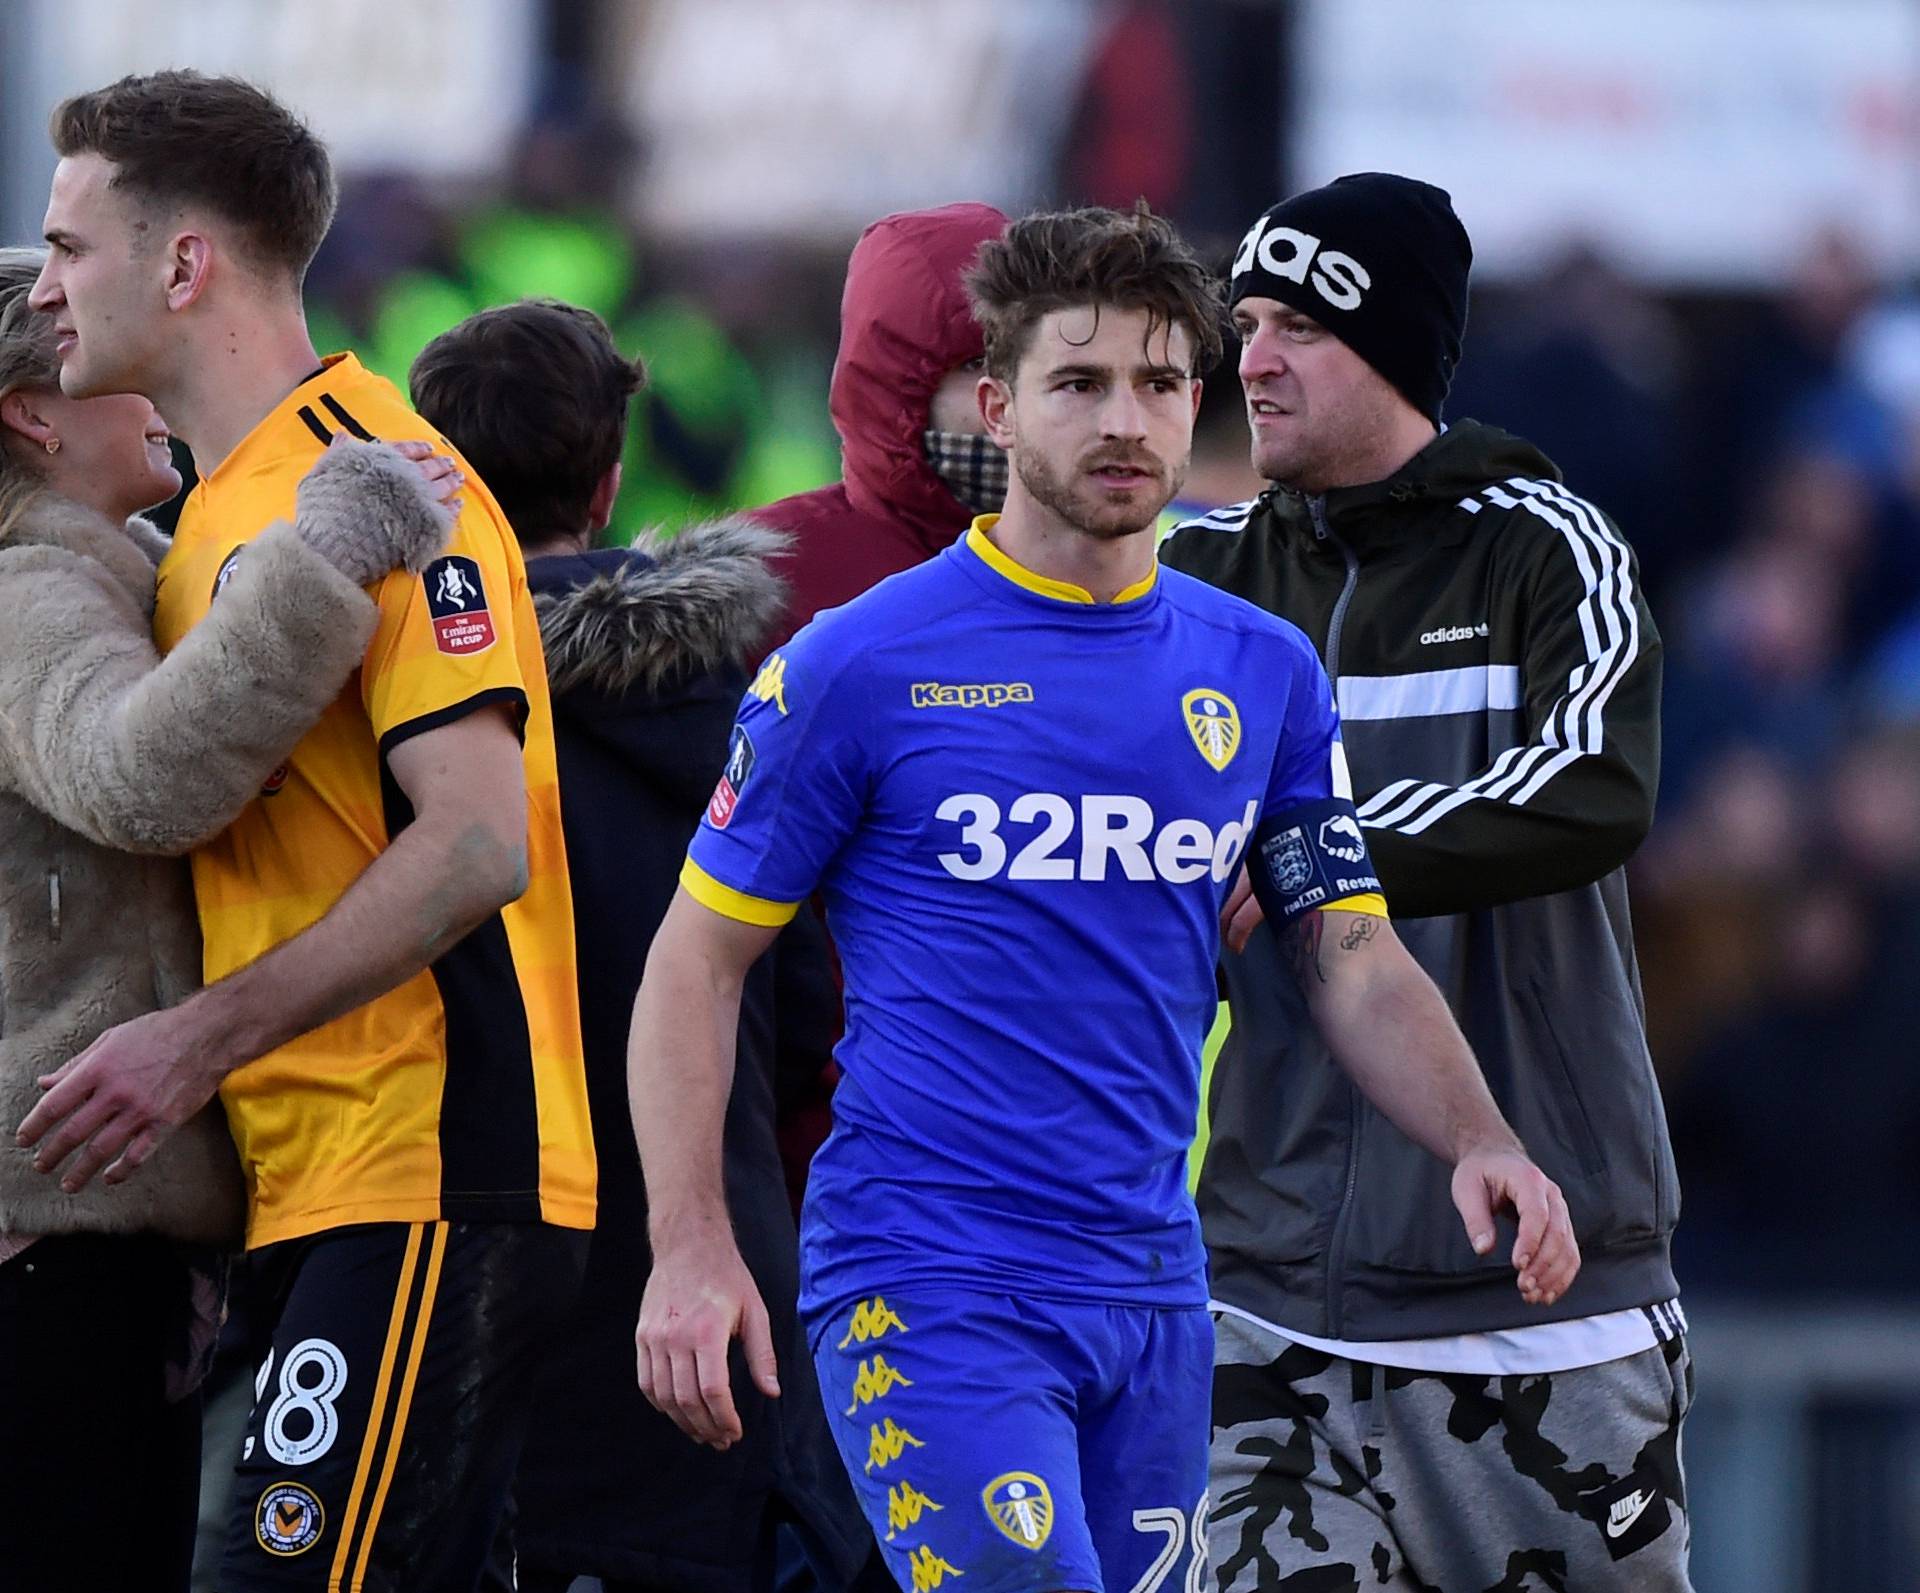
<point x="1303" y="940"/>
<point x="1300" y="941"/>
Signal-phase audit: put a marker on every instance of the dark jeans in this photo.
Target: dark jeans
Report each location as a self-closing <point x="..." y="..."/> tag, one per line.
<point x="100" y="1473"/>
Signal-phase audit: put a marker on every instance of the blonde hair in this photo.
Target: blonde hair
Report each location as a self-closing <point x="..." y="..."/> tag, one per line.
<point x="28" y="358"/>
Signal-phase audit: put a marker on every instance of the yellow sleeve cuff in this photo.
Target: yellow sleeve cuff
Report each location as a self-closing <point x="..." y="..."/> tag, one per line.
<point x="1373" y="904"/>
<point x="730" y="903"/>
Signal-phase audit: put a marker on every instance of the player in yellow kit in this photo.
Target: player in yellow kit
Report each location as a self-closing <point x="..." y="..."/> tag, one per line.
<point x="390" y="1016"/>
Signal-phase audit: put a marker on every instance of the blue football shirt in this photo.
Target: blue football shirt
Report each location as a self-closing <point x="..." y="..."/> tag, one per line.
<point x="1025" y="810"/>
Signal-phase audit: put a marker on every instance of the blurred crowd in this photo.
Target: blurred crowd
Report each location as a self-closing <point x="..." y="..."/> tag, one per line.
<point x="1762" y="454"/>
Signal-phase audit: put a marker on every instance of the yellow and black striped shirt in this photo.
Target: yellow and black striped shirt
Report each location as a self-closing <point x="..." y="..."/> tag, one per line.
<point x="460" y="1093"/>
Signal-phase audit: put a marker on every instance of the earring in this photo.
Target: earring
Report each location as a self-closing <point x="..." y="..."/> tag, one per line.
<point x="53" y="445"/>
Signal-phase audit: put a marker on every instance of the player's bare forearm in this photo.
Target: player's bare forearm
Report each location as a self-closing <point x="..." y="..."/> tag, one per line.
<point x="680" y="1057"/>
<point x="461" y="859"/>
<point x="680" y="1062"/>
<point x="417" y="900"/>
<point x="1389" y="1027"/>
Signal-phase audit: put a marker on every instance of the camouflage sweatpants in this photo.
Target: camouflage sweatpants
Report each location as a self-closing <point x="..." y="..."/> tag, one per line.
<point x="1332" y="1476"/>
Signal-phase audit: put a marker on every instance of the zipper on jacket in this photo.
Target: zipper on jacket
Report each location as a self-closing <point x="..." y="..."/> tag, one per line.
<point x="1337" y="1244"/>
<point x="1317" y="510"/>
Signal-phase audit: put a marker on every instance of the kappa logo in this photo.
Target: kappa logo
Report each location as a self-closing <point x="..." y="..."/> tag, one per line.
<point x="457" y="604"/>
<point x="1214" y="723"/>
<point x="886" y="1443"/>
<point x="906" y="1504"/>
<point x="770" y="685"/>
<point x="733" y="779"/>
<point x="288" y="1520"/>
<point x="872" y="1319"/>
<point x="929" y="1570"/>
<point x="876" y="1379"/>
<point x="1453" y="633"/>
<point x="1340" y="837"/>
<point x="1021" y="1506"/>
<point x="995" y="694"/>
<point x="1297" y="256"/>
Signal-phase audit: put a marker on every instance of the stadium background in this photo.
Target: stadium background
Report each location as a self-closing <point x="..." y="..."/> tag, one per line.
<point x="1698" y="235"/>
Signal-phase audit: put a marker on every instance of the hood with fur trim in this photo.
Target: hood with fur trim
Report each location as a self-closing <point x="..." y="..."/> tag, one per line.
<point x="645" y="646"/>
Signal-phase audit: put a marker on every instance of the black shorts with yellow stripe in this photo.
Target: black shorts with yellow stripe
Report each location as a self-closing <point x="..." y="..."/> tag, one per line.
<point x="391" y="1402"/>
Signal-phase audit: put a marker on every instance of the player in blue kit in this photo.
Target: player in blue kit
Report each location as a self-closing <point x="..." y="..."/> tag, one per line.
<point x="1025" y="775"/>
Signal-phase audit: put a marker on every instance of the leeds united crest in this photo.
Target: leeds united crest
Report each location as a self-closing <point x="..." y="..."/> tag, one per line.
<point x="1214" y="724"/>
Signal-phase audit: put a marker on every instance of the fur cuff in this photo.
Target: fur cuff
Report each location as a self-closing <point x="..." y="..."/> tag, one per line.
<point x="365" y="509"/>
<point x="149" y="539"/>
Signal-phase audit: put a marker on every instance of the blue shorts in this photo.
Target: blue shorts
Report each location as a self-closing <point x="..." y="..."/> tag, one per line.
<point x="1023" y="1445"/>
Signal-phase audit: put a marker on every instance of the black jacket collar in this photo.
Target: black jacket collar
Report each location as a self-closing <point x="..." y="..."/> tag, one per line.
<point x="1378" y="516"/>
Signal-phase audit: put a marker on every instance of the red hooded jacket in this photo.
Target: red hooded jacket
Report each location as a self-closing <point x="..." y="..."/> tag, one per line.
<point x="904" y="323"/>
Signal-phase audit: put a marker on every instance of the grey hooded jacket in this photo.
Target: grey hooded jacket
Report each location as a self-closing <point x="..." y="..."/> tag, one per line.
<point x="1498" y="678"/>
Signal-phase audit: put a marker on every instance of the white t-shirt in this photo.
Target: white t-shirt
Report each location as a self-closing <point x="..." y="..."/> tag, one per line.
<point x="1504" y="1352"/>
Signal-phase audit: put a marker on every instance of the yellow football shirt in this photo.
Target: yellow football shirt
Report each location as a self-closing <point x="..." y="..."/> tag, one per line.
<point x="460" y="1094"/>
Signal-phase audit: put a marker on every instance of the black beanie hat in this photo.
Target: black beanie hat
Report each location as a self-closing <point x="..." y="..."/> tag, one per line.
<point x="1381" y="262"/>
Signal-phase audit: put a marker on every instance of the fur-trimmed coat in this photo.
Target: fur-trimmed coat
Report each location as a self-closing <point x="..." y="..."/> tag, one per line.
<point x="644" y="653"/>
<point x="114" y="763"/>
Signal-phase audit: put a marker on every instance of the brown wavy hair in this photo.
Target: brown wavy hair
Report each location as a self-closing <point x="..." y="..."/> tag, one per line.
<point x="1065" y="259"/>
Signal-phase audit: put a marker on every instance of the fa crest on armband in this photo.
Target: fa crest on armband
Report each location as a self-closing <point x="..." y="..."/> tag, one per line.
<point x="1288" y="862"/>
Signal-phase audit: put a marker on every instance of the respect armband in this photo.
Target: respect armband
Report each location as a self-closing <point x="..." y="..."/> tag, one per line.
<point x="1310" y="857"/>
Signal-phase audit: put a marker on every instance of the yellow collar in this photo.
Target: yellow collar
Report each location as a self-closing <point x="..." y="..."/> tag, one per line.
<point x="1061" y="591"/>
<point x="338" y="373"/>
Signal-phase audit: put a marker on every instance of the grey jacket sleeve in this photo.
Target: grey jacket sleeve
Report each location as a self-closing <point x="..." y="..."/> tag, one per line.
<point x="149" y="755"/>
<point x="1572" y="802"/>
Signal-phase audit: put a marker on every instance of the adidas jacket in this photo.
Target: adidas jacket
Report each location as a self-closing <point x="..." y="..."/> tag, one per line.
<point x="1498" y="678"/>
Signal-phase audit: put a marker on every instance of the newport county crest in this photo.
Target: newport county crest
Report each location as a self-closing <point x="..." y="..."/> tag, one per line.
<point x="1214" y="724"/>
<point x="288" y="1519"/>
<point x="1021" y="1506"/>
